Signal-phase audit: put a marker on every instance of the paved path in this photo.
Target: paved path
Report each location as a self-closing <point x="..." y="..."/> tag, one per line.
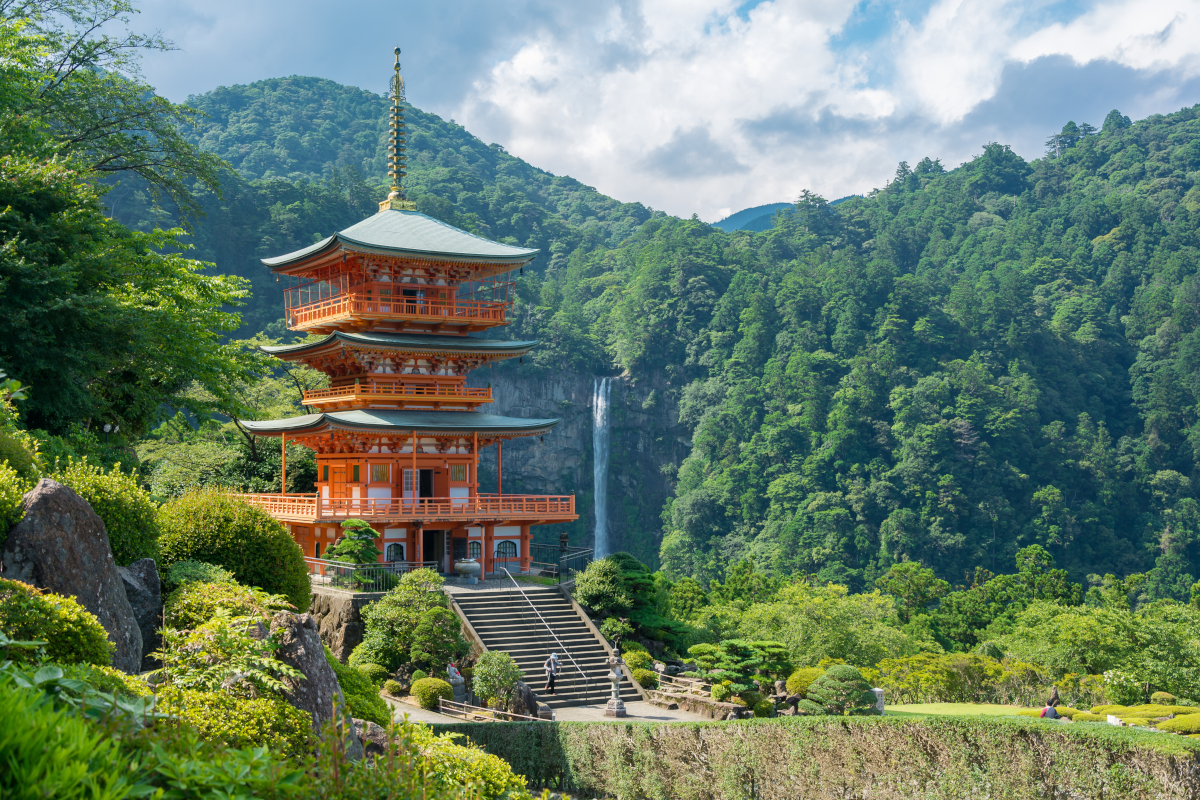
<point x="637" y="711"/>
<point x="416" y="713"/>
<point x="452" y="586"/>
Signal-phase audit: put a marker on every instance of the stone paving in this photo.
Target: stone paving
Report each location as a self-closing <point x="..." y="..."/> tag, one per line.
<point x="636" y="711"/>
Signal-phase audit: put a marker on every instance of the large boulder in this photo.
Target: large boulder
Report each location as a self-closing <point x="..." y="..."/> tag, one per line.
<point x="374" y="738"/>
<point x="338" y="621"/>
<point x="143" y="590"/>
<point x="300" y="647"/>
<point x="61" y="546"/>
<point x="524" y="701"/>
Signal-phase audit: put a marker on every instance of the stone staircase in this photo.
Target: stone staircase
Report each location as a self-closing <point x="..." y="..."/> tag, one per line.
<point x="505" y="620"/>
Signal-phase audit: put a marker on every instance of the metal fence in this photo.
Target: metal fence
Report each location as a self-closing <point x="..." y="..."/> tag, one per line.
<point x="350" y="577"/>
<point x="555" y="561"/>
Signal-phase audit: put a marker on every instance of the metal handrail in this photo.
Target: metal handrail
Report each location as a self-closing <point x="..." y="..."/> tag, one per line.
<point x="586" y="680"/>
<point x="463" y="710"/>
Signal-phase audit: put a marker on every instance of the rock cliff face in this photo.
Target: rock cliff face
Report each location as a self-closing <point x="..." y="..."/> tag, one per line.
<point x="645" y="437"/>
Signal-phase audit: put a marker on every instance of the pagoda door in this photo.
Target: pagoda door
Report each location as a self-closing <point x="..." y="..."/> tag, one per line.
<point x="337" y="488"/>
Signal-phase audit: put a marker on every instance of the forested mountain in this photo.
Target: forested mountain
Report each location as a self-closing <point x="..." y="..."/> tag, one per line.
<point x="955" y="366"/>
<point x="309" y="158"/>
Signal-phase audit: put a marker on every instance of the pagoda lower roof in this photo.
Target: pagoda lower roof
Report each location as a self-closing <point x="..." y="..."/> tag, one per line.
<point x="382" y="421"/>
<point x="409" y="234"/>
<point x="406" y="342"/>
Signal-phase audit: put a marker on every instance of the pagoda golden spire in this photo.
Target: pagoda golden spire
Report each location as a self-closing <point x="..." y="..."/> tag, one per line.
<point x="396" y="146"/>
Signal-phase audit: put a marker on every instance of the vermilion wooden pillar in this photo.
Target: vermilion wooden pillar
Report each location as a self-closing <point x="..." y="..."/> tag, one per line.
<point x="489" y="545"/>
<point x="525" y="548"/>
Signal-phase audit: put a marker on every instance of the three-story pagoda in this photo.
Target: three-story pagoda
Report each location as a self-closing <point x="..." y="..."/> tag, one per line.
<point x="398" y="434"/>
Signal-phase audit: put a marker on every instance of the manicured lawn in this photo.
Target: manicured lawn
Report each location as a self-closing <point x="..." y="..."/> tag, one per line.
<point x="953" y="709"/>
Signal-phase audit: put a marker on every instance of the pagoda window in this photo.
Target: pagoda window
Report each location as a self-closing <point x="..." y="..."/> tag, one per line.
<point x="325" y="473"/>
<point x="354" y="470"/>
<point x="506" y="549"/>
<point x="474" y="550"/>
<point x="379" y="473"/>
<point x="395" y="552"/>
<point x="458" y="473"/>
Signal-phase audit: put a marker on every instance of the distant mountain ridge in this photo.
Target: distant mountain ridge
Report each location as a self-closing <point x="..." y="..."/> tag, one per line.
<point x="740" y="219"/>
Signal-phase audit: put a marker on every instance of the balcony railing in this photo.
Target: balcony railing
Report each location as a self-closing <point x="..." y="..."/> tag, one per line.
<point x="397" y="392"/>
<point x="348" y="306"/>
<point x="361" y="577"/>
<point x="310" y="507"/>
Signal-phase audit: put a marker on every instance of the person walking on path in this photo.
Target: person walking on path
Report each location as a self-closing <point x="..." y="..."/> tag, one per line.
<point x="552" y="668"/>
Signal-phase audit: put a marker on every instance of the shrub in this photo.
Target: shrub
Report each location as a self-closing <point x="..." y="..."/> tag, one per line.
<point x="799" y="681"/>
<point x="1186" y="723"/>
<point x="362" y="697"/>
<point x="241" y="722"/>
<point x="842" y="690"/>
<point x="72" y="633"/>
<point x="1163" y="698"/>
<point x="418" y="674"/>
<point x="638" y="659"/>
<point x="195" y="603"/>
<point x="634" y="647"/>
<point x="496" y="673"/>
<point x="1084" y="716"/>
<point x="613" y="629"/>
<point x="55" y="752"/>
<point x="437" y="640"/>
<point x="720" y="692"/>
<point x="19" y="449"/>
<point x="391" y="621"/>
<point x="393" y="688"/>
<point x="211" y="526"/>
<point x="12" y="499"/>
<point x="428" y="690"/>
<point x="764" y="708"/>
<point x="775" y="658"/>
<point x="647" y="679"/>
<point x="1154" y="710"/>
<point x="1107" y="709"/>
<point x="188" y="570"/>
<point x="375" y="673"/>
<point x="107" y="679"/>
<point x="601" y="587"/>
<point x="130" y="516"/>
<point x="453" y="766"/>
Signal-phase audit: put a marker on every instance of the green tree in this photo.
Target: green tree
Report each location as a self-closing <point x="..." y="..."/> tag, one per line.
<point x="914" y="587"/>
<point x="357" y="544"/>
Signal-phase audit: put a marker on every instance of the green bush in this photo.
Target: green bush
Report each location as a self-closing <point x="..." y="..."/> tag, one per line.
<point x="1084" y="716"/>
<point x="1155" y="710"/>
<point x="130" y="516"/>
<point x="195" y="603"/>
<point x="601" y="587"/>
<point x="842" y="690"/>
<point x="107" y="679"/>
<point x="647" y="679"/>
<point x="188" y="570"/>
<point x="1162" y="698"/>
<point x="12" y="499"/>
<point x="393" y="688"/>
<point x="362" y="697"/>
<point x="799" y="681"/>
<point x="241" y="722"/>
<point x="1186" y="723"/>
<point x="720" y="692"/>
<point x="634" y="647"/>
<point x="437" y="639"/>
<point x="211" y="526"/>
<point x="72" y="633"/>
<point x="375" y="673"/>
<point x="428" y="690"/>
<point x="418" y="674"/>
<point x="55" y="753"/>
<point x="19" y="449"/>
<point x="764" y="708"/>
<point x="454" y="766"/>
<point x="637" y="659"/>
<point x="391" y="621"/>
<point x="495" y="675"/>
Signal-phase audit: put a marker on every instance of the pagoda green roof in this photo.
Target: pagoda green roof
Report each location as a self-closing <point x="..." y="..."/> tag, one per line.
<point x="403" y="341"/>
<point x="411" y="233"/>
<point x="385" y="420"/>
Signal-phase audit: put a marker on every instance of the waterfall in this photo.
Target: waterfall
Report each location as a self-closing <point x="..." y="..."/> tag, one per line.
<point x="600" y="423"/>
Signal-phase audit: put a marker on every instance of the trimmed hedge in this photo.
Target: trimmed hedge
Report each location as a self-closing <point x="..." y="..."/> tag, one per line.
<point x="362" y="696"/>
<point x="374" y="673"/>
<point x="1187" y="723"/>
<point x="393" y="688"/>
<point x="884" y="758"/>
<point x="647" y="679"/>
<point x="73" y="633"/>
<point x="799" y="681"/>
<point x="428" y="690"/>
<point x="211" y="526"/>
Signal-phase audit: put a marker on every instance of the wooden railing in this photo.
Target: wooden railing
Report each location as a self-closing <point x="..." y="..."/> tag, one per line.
<point x="396" y="390"/>
<point x="312" y="507"/>
<point x="365" y="305"/>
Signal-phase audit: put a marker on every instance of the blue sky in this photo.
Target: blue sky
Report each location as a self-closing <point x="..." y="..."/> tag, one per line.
<point x="708" y="106"/>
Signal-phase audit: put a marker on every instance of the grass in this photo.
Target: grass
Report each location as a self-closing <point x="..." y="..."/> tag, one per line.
<point x="953" y="710"/>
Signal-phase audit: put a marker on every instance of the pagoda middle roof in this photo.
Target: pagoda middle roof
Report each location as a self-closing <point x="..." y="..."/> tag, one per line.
<point x="387" y="420"/>
<point x="410" y="233"/>
<point x="421" y="342"/>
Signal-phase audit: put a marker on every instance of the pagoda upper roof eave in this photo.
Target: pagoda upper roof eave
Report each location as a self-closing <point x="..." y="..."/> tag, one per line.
<point x="383" y="421"/>
<point x="417" y="344"/>
<point x="410" y="235"/>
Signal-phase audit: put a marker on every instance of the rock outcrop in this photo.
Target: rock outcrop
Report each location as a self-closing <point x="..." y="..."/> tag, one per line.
<point x="300" y="647"/>
<point x="61" y="546"/>
<point x="143" y="590"/>
<point x="338" y="621"/>
<point x="374" y="738"/>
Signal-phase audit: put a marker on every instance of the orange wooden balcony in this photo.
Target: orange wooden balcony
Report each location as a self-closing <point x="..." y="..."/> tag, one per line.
<point x="310" y="508"/>
<point x="364" y="309"/>
<point x="396" y="393"/>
